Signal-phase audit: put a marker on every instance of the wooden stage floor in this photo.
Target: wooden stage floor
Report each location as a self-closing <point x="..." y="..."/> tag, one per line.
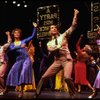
<point x="48" y="94"/>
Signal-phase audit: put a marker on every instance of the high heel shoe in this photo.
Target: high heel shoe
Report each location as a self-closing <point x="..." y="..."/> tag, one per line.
<point x="79" y="91"/>
<point x="35" y="96"/>
<point x="20" y="95"/>
<point x="93" y="94"/>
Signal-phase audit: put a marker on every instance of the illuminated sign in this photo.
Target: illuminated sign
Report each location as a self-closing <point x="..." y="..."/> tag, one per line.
<point x="46" y="16"/>
<point x="95" y="21"/>
<point x="95" y="15"/>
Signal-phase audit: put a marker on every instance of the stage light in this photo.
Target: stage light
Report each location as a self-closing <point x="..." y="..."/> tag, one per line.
<point x="23" y="1"/>
<point x="25" y="5"/>
<point x="6" y="1"/>
<point x="14" y="2"/>
<point x="18" y="5"/>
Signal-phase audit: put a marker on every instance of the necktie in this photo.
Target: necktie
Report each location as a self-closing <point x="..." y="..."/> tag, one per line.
<point x="56" y="42"/>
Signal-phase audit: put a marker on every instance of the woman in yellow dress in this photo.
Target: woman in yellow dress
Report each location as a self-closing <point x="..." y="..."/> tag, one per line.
<point x="60" y="83"/>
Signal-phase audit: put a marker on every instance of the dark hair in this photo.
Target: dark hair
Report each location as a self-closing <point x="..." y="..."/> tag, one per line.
<point x="53" y="25"/>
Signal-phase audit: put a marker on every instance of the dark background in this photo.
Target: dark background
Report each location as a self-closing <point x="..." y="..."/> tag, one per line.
<point x="12" y="16"/>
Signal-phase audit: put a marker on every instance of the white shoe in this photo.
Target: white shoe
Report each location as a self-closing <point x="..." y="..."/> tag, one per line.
<point x="90" y="97"/>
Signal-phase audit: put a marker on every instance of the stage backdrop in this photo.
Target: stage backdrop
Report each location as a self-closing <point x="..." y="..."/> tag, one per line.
<point x="95" y="23"/>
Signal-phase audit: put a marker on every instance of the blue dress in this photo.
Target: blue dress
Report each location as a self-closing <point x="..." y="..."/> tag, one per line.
<point x="21" y="71"/>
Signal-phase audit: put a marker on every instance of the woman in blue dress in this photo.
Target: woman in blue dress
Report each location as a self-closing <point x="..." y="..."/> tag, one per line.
<point x="21" y="72"/>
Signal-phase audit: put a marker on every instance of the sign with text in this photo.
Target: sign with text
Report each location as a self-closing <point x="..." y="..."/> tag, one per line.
<point x="46" y="16"/>
<point x="95" y="15"/>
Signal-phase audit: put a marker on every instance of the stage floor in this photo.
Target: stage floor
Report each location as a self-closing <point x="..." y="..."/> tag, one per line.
<point x="48" y="94"/>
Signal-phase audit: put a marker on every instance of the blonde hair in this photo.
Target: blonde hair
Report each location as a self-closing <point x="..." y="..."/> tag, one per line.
<point x="17" y="29"/>
<point x="88" y="49"/>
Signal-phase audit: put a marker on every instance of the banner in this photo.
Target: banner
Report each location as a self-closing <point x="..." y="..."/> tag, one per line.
<point x="95" y="15"/>
<point x="46" y="16"/>
<point x="95" y="23"/>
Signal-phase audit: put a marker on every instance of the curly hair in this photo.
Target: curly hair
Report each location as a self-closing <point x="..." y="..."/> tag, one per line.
<point x="16" y="29"/>
<point x="88" y="49"/>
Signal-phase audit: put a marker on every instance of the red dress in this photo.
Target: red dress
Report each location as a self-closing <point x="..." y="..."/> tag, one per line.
<point x="80" y="67"/>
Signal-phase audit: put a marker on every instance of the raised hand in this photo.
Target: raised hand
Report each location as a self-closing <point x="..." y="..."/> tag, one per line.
<point x="81" y="36"/>
<point x="7" y="33"/>
<point x="76" y="11"/>
<point x="34" y="24"/>
<point x="8" y="36"/>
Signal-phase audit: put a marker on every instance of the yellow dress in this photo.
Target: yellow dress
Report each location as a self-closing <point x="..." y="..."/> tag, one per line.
<point x="59" y="82"/>
<point x="29" y="87"/>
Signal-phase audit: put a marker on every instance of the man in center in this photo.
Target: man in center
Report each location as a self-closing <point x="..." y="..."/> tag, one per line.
<point x="58" y="45"/>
